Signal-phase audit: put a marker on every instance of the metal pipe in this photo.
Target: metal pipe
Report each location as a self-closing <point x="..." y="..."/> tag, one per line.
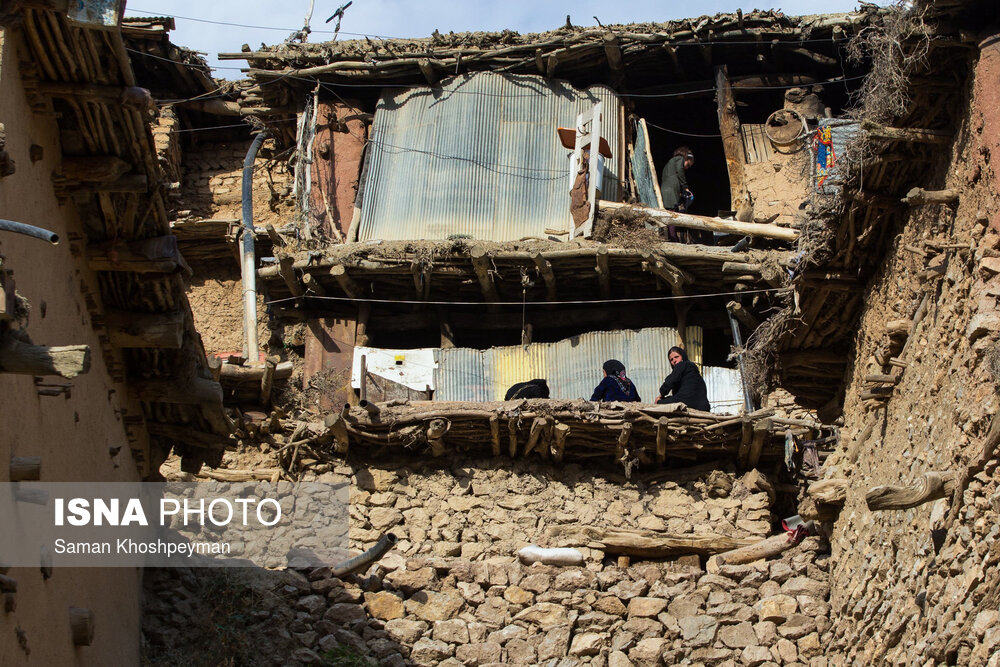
<point x="738" y="344"/>
<point x="249" y="261"/>
<point x="385" y="543"/>
<point x="29" y="230"/>
<point x="372" y="409"/>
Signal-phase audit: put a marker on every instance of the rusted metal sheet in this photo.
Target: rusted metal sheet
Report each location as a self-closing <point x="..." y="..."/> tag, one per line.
<point x="329" y="356"/>
<point x="643" y="170"/>
<point x="336" y="167"/>
<point x="460" y="376"/>
<point x="478" y="156"/>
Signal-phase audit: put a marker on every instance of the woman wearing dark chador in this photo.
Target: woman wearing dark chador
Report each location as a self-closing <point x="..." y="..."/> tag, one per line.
<point x="685" y="382"/>
<point x="615" y="386"/>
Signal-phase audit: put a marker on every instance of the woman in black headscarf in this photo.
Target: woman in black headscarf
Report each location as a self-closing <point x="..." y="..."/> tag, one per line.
<point x="615" y="386"/>
<point x="685" y="382"/>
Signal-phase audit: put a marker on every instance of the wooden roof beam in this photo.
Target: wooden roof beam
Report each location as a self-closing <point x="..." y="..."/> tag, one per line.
<point x="481" y="265"/>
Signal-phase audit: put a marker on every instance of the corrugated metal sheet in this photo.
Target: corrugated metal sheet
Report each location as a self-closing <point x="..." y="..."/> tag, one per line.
<point x="842" y="133"/>
<point x="573" y="367"/>
<point x="477" y="156"/>
<point x="460" y="376"/>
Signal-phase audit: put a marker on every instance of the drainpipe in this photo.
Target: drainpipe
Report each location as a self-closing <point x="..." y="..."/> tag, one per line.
<point x="248" y="264"/>
<point x="367" y="558"/>
<point x="738" y="343"/>
<point x="29" y="230"/>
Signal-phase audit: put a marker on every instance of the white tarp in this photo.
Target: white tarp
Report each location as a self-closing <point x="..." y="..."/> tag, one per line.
<point x="410" y="368"/>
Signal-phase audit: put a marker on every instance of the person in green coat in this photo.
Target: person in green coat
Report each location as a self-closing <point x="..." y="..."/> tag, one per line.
<point x="674" y="186"/>
<point x="673" y="183"/>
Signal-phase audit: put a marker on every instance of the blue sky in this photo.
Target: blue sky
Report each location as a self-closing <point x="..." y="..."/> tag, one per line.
<point x="409" y="18"/>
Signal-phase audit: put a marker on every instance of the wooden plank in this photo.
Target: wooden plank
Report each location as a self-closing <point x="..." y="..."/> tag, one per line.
<point x="688" y="221"/>
<point x="729" y="126"/>
<point x="145" y="330"/>
<point x="330" y="352"/>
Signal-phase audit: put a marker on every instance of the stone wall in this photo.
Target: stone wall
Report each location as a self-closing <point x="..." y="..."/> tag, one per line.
<point x="453" y="592"/>
<point x="918" y="587"/>
<point x="211" y="184"/>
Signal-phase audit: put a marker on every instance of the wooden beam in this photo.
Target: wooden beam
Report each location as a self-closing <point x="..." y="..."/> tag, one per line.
<point x="254" y="374"/>
<point x="145" y="330"/>
<point x="732" y="144"/>
<point x="930" y="486"/>
<point x="287" y="272"/>
<point x="25" y="468"/>
<point x="910" y="135"/>
<point x="511" y="437"/>
<point x="613" y="53"/>
<point x="603" y="272"/>
<point x="447" y="334"/>
<point x="561" y="432"/>
<point x="361" y="337"/>
<point x="430" y="74"/>
<point x="155" y="255"/>
<point x="336" y="427"/>
<point x="195" y="391"/>
<point x="351" y="289"/>
<point x="312" y="285"/>
<point x="641" y="543"/>
<point x="21" y="357"/>
<point x="545" y="269"/>
<point x="745" y="317"/>
<point x="81" y="625"/>
<point x="677" y="278"/>
<point x="772" y="546"/>
<point x="537" y="426"/>
<point x="688" y="221"/>
<point x="94" y="169"/>
<point x="481" y="265"/>
<point x="187" y="435"/>
<point x="919" y="196"/>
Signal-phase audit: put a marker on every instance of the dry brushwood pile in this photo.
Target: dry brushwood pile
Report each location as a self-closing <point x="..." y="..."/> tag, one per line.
<point x="630" y="435"/>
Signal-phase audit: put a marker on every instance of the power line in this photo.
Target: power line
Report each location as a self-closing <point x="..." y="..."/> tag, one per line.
<point x="533" y="303"/>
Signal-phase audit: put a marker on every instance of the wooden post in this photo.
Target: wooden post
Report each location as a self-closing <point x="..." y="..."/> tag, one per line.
<point x="18" y="356"/>
<point x="94" y="169"/>
<point x="363" y="374"/>
<point x="603" y="273"/>
<point x="361" y="338"/>
<point x="25" y="468"/>
<point x="495" y="434"/>
<point x="435" y="436"/>
<point x="267" y="380"/>
<point x="561" y="432"/>
<point x="145" y="330"/>
<point x="732" y="144"/>
<point x="351" y="289"/>
<point x="537" y="426"/>
<point x="623" y="437"/>
<point x="761" y="432"/>
<point x="481" y="265"/>
<point x="545" y="269"/>
<point x="661" y="438"/>
<point x="512" y="437"/>
<point x="930" y="486"/>
<point x="447" y="334"/>
<point x="613" y="53"/>
<point x="676" y="277"/>
<point x="81" y="625"/>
